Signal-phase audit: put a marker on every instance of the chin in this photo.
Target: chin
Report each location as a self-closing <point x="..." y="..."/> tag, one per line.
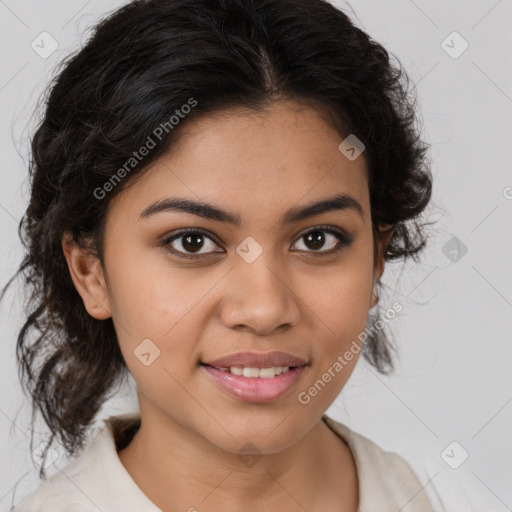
<point x="257" y="432"/>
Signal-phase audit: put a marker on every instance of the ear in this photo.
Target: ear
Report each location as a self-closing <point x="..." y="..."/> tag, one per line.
<point x="87" y="275"/>
<point x="383" y="240"/>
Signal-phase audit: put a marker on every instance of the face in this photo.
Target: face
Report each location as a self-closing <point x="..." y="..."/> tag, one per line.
<point x="273" y="281"/>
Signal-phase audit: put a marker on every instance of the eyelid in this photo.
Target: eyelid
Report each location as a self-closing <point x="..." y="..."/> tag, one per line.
<point x="325" y="227"/>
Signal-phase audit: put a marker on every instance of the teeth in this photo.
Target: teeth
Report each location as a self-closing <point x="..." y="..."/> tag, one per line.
<point x="263" y="373"/>
<point x="251" y="372"/>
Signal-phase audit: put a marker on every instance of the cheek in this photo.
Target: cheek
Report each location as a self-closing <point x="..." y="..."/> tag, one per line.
<point x="340" y="315"/>
<point x="341" y="300"/>
<point x="150" y="302"/>
<point x="341" y="305"/>
<point x="146" y="298"/>
<point x="343" y="319"/>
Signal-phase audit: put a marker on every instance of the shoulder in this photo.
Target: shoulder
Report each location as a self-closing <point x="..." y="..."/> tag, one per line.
<point x="58" y="492"/>
<point x="386" y="480"/>
<point x="90" y="482"/>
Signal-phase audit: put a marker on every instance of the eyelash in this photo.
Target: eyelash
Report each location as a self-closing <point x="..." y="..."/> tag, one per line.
<point x="343" y="241"/>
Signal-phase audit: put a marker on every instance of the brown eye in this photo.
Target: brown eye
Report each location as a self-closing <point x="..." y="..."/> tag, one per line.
<point x="192" y="243"/>
<point x="189" y="243"/>
<point x="315" y="240"/>
<point x="329" y="239"/>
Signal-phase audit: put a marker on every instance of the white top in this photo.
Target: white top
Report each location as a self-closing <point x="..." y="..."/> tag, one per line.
<point x="96" y="480"/>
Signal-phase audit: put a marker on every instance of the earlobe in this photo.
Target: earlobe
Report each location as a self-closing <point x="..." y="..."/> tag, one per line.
<point x="87" y="276"/>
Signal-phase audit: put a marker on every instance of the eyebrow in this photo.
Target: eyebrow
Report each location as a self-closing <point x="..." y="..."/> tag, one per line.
<point x="211" y="212"/>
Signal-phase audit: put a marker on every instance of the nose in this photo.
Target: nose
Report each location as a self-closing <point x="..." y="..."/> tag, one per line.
<point x="259" y="299"/>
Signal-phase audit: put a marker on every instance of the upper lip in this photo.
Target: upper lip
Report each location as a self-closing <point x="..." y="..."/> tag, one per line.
<point x="257" y="360"/>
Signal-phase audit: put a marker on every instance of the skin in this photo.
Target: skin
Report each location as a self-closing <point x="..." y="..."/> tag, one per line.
<point x="291" y="298"/>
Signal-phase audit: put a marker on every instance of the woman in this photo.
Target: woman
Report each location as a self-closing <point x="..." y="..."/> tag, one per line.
<point x="216" y="187"/>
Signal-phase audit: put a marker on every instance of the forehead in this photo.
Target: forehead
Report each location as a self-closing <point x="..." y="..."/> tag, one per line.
<point x="258" y="162"/>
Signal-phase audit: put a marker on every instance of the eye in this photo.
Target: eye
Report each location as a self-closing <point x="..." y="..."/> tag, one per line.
<point x="316" y="239"/>
<point x="189" y="243"/>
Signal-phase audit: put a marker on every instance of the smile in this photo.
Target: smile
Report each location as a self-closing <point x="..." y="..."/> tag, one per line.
<point x="255" y="385"/>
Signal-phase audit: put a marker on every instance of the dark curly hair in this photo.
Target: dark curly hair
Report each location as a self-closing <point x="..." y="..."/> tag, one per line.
<point x="140" y="64"/>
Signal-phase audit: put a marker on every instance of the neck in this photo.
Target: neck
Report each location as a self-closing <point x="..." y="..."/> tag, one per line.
<point x="178" y="469"/>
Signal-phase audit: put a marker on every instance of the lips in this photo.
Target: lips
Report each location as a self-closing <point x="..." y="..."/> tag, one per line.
<point x="257" y="360"/>
<point x="253" y="389"/>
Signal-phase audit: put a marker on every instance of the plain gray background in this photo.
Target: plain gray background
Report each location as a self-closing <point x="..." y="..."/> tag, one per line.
<point x="453" y="381"/>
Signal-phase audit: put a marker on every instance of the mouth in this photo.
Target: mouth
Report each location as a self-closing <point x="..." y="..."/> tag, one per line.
<point x="254" y="384"/>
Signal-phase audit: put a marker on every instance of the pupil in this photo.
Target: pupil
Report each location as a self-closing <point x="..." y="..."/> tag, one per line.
<point x="315" y="239"/>
<point x="195" y="241"/>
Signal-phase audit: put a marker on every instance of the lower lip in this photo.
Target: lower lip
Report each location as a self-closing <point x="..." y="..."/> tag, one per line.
<point x="256" y="389"/>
